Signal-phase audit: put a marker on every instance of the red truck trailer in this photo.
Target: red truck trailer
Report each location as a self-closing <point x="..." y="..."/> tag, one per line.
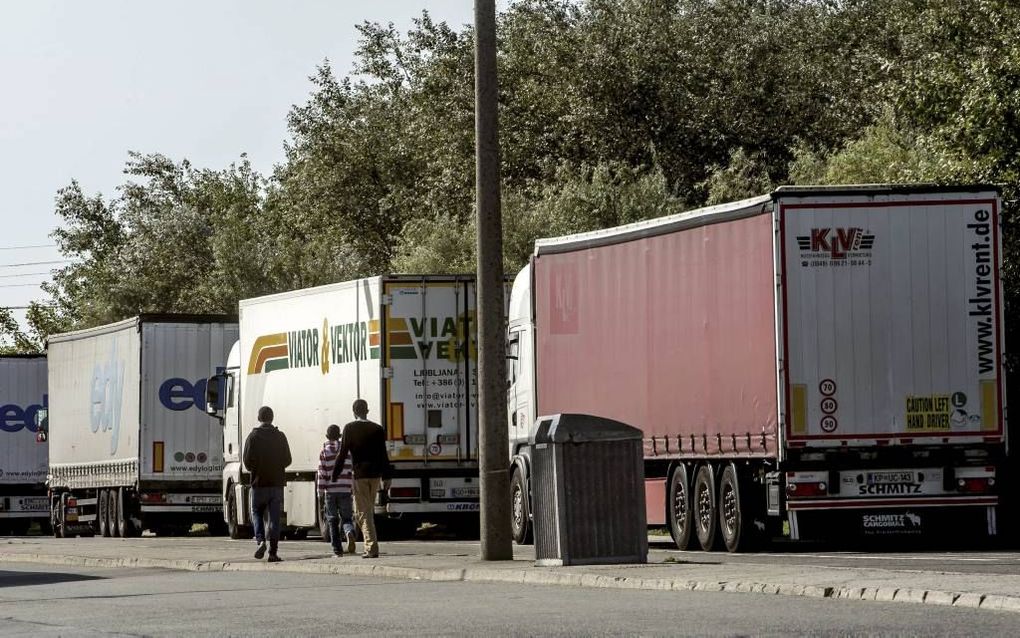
<point x="830" y="357"/>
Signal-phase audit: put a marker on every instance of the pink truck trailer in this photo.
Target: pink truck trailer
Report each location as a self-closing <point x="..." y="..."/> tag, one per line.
<point x="827" y="357"/>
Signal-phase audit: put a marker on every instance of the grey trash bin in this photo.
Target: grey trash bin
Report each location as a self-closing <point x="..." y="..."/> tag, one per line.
<point x="587" y="491"/>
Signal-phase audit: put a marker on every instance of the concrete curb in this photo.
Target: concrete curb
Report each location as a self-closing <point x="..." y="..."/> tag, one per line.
<point x="995" y="602"/>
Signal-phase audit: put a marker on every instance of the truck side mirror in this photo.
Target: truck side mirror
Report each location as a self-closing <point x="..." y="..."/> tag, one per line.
<point x="42" y="425"/>
<point x="212" y="396"/>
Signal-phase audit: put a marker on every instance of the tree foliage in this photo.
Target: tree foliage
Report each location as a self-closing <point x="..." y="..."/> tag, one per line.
<point x="611" y="111"/>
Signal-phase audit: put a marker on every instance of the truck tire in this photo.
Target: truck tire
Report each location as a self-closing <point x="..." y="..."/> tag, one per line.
<point x="320" y="507"/>
<point x="54" y="523"/>
<point x="113" y="510"/>
<point x="125" y="526"/>
<point x="520" y="510"/>
<point x="735" y="520"/>
<point x="103" y="513"/>
<point x="706" y="521"/>
<point x="234" y="529"/>
<point x="56" y="508"/>
<point x="678" y="507"/>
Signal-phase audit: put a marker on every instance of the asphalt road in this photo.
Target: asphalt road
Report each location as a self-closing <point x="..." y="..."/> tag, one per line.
<point x="48" y="601"/>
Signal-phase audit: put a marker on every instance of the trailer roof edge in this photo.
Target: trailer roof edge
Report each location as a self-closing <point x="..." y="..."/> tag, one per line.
<point x="653" y="227"/>
<point x="136" y="321"/>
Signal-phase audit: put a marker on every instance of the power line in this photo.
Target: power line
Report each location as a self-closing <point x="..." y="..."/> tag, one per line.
<point x="28" y="274"/>
<point x="45" y="305"/>
<point x="21" y="285"/>
<point x="36" y="263"/>
<point x="28" y="247"/>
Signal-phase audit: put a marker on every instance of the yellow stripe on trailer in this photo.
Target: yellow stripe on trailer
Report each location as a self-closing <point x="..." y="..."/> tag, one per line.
<point x="989" y="404"/>
<point x="798" y="408"/>
<point x="396" y="422"/>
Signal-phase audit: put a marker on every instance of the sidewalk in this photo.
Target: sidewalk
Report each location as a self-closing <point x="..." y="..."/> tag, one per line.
<point x="458" y="561"/>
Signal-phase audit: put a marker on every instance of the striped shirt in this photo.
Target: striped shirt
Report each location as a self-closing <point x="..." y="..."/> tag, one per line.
<point x="327" y="459"/>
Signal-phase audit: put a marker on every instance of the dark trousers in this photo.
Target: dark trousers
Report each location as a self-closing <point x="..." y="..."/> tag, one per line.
<point x="267" y="501"/>
<point x="339" y="511"/>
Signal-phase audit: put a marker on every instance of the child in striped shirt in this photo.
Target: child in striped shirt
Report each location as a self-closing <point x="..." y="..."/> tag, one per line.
<point x="336" y="495"/>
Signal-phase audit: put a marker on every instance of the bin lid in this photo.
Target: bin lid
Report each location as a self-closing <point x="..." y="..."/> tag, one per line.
<point x="580" y="428"/>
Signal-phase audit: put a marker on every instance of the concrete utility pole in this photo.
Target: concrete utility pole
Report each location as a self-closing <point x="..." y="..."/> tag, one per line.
<point x="492" y="425"/>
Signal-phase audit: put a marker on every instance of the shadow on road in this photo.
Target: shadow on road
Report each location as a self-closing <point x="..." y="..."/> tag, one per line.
<point x="24" y="579"/>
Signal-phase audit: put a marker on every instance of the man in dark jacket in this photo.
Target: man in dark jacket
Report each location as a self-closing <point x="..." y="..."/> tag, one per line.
<point x="365" y="441"/>
<point x="266" y="455"/>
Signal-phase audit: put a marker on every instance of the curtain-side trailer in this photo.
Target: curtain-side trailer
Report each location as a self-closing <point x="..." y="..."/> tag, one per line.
<point x="22" y="458"/>
<point x="830" y="357"/>
<point x="405" y="344"/>
<point x="130" y="445"/>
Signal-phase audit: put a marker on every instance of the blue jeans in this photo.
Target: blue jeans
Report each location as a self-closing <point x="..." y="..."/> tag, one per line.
<point x="339" y="509"/>
<point x="266" y="500"/>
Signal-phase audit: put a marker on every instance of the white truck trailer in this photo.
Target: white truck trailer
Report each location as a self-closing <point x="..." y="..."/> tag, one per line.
<point x="404" y="344"/>
<point x="22" y="458"/>
<point x="130" y="445"/>
<point x="830" y="357"/>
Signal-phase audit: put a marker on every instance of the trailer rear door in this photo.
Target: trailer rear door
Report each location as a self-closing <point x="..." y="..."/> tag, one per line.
<point x="891" y="319"/>
<point x="22" y="394"/>
<point x="430" y="369"/>
<point x="179" y="442"/>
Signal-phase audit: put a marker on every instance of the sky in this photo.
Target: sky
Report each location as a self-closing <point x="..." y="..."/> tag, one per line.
<point x="83" y="83"/>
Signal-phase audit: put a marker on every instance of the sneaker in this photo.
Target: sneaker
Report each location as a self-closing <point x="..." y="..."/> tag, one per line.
<point x="350" y="542"/>
<point x="338" y="554"/>
<point x="261" y="551"/>
<point x="367" y="555"/>
<point x="273" y="558"/>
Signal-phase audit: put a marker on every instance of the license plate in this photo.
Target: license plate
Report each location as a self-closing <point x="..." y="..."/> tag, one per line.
<point x="212" y="500"/>
<point x="890" y="477"/>
<point x="464" y="492"/>
<point x="35" y="504"/>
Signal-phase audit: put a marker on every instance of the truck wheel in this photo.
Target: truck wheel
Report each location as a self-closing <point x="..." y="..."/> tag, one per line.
<point x="113" y="512"/>
<point x="320" y="507"/>
<point x="735" y="525"/>
<point x="103" y="513"/>
<point x="678" y="508"/>
<point x="125" y="527"/>
<point x="705" y="519"/>
<point x="520" y="512"/>
<point x="57" y="516"/>
<point x="235" y="529"/>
